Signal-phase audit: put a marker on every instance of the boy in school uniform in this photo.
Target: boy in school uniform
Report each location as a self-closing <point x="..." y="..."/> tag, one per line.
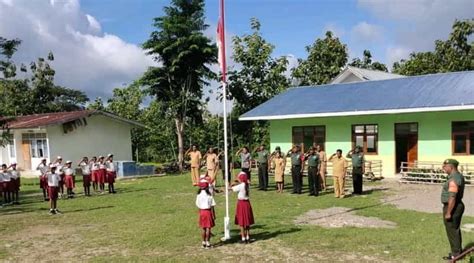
<point x="69" y="179"/>
<point x="43" y="179"/>
<point x="111" y="173"/>
<point x="53" y="190"/>
<point x="15" y="183"/>
<point x="6" y="181"/>
<point x="102" y="173"/>
<point x="86" y="175"/>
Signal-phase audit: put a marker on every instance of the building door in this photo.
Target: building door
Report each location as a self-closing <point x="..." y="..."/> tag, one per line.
<point x="26" y="152"/>
<point x="406" y="144"/>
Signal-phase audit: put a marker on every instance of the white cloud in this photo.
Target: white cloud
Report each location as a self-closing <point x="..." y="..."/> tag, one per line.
<point x="367" y="33"/>
<point x="395" y="54"/>
<point x="85" y="57"/>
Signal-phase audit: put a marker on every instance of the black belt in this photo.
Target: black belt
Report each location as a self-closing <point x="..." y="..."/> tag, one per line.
<point x="297" y="165"/>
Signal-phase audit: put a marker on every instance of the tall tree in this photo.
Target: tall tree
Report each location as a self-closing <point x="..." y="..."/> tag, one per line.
<point x="185" y="54"/>
<point x="367" y="63"/>
<point x="454" y="54"/>
<point x="326" y="58"/>
<point x="258" y="78"/>
<point x="98" y="104"/>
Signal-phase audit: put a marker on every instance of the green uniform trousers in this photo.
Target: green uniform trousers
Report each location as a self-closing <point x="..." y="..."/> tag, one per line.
<point x="453" y="227"/>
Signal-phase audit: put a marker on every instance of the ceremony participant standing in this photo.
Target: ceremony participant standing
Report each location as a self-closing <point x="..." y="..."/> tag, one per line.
<point x="358" y="169"/>
<point x="53" y="190"/>
<point x="43" y="179"/>
<point x="86" y="175"/>
<point x="453" y="207"/>
<point x="15" y="184"/>
<point x="6" y="184"/>
<point x="94" y="164"/>
<point x="279" y="171"/>
<point x="222" y="166"/>
<point x="323" y="166"/>
<point x="313" y="172"/>
<point x="339" y="170"/>
<point x="245" y="159"/>
<point x="211" y="163"/>
<point x="196" y="157"/>
<point x="68" y="179"/>
<point x="58" y="163"/>
<point x="205" y="202"/>
<point x="262" y="161"/>
<point x="243" y="214"/>
<point x="102" y="173"/>
<point x="296" y="169"/>
<point x="111" y="173"/>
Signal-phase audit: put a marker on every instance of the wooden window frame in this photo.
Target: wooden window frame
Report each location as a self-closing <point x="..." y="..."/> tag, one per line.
<point x="467" y="133"/>
<point x="314" y="127"/>
<point x="365" y="134"/>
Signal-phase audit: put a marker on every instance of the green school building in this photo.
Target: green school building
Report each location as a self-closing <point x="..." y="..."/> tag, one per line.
<point x="394" y="118"/>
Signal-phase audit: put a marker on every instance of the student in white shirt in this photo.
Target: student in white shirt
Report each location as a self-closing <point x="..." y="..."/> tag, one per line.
<point x="58" y="163"/>
<point x="15" y="183"/>
<point x="94" y="172"/>
<point x="43" y="179"/>
<point x="111" y="173"/>
<point x="244" y="214"/>
<point x="86" y="175"/>
<point x="69" y="179"/>
<point x="205" y="202"/>
<point x="101" y="174"/>
<point x="6" y="181"/>
<point x="53" y="190"/>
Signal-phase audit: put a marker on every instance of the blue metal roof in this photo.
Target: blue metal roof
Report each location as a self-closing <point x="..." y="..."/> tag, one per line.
<point x="410" y="94"/>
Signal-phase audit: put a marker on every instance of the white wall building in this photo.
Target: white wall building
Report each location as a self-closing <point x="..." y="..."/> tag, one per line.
<point x="71" y="135"/>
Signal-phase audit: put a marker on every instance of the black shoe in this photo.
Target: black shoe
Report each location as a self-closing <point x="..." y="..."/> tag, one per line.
<point x="311" y="194"/>
<point x="56" y="211"/>
<point x="448" y="257"/>
<point x="52" y="212"/>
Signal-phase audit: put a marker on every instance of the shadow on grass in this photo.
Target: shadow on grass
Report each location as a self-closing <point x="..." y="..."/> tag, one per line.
<point x="89" y="209"/>
<point x="258" y="236"/>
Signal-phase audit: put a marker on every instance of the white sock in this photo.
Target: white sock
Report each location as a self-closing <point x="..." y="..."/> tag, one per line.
<point x="207" y="243"/>
<point x="243" y="238"/>
<point x="248" y="238"/>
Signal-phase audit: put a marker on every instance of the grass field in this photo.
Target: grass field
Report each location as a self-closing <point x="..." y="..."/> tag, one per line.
<point x="155" y="219"/>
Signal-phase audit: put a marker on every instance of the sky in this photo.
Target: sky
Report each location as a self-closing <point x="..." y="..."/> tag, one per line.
<point x="97" y="42"/>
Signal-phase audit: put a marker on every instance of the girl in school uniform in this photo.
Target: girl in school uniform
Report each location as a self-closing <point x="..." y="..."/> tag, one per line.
<point x="243" y="214"/>
<point x="205" y="202"/>
<point x="6" y="181"/>
<point x="59" y="170"/>
<point x="94" y="166"/>
<point x="43" y="179"/>
<point x="68" y="179"/>
<point x="86" y="175"/>
<point x="101" y="174"/>
<point x="53" y="190"/>
<point x="279" y="171"/>
<point x="111" y="173"/>
<point x="15" y="183"/>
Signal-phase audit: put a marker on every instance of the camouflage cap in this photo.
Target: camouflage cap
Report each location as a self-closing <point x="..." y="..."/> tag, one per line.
<point x="451" y="161"/>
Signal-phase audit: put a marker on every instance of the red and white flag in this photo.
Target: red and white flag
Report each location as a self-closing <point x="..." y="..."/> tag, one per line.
<point x="221" y="41"/>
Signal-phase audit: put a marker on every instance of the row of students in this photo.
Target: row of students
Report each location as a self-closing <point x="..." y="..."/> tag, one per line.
<point x="9" y="184"/>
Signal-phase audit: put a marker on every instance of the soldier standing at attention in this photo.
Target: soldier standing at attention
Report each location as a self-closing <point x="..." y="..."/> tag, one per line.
<point x="313" y="171"/>
<point x="453" y="207"/>
<point x="358" y="169"/>
<point x="262" y="160"/>
<point x="322" y="169"/>
<point x="296" y="169"/>
<point x="195" y="156"/>
<point x="339" y="169"/>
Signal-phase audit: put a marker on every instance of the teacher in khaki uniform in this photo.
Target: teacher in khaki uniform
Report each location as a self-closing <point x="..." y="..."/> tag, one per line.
<point x="195" y="156"/>
<point x="322" y="167"/>
<point x="339" y="170"/>
<point x="358" y="169"/>
<point x="453" y="207"/>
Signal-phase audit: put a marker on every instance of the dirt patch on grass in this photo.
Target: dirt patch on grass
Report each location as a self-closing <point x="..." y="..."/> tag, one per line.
<point x="337" y="217"/>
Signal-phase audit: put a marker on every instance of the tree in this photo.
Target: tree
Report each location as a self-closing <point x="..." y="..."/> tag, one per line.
<point x="259" y="78"/>
<point x="454" y="54"/>
<point x="326" y="58"/>
<point x="367" y="63"/>
<point x="185" y="54"/>
<point x="98" y="104"/>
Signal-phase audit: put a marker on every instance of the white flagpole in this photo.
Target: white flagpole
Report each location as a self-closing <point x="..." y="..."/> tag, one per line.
<point x="226" y="165"/>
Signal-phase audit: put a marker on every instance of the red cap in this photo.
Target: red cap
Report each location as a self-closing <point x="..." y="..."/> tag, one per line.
<point x="203" y="185"/>
<point x="243" y="177"/>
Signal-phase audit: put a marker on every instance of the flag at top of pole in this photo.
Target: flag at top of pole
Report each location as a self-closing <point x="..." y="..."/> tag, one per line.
<point x="221" y="40"/>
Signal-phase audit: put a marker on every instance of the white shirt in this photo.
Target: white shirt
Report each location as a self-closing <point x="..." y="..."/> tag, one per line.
<point x="53" y="179"/>
<point x="59" y="168"/>
<point x="86" y="168"/>
<point x="14" y="174"/>
<point x="204" y="201"/>
<point x="110" y="166"/>
<point x="242" y="195"/>
<point x="43" y="168"/>
<point x="68" y="171"/>
<point x="6" y="176"/>
<point x="94" y="166"/>
<point x="102" y="166"/>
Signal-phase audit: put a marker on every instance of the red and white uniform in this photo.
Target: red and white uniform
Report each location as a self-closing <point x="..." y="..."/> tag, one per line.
<point x="205" y="203"/>
<point x="15" y="180"/>
<point x="86" y="173"/>
<point x="69" y="178"/>
<point x="243" y="212"/>
<point x="102" y="173"/>
<point x="43" y="168"/>
<point x="94" y="171"/>
<point x="53" y="185"/>
<point x="111" y="172"/>
<point x="6" y="181"/>
<point x="60" y="172"/>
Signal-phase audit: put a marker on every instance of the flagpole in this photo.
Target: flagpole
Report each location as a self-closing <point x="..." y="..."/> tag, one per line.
<point x="226" y="165"/>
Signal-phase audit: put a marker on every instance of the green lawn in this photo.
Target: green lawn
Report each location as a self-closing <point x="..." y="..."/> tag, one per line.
<point x="155" y="219"/>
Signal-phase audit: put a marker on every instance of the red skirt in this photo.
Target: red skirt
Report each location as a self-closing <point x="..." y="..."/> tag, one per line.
<point x="53" y="192"/>
<point x="94" y="175"/>
<point x="69" y="181"/>
<point x="244" y="213"/>
<point x="86" y="180"/>
<point x="101" y="176"/>
<point x="111" y="177"/>
<point x="6" y="186"/>
<point x="206" y="219"/>
<point x="43" y="182"/>
<point x="15" y="185"/>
